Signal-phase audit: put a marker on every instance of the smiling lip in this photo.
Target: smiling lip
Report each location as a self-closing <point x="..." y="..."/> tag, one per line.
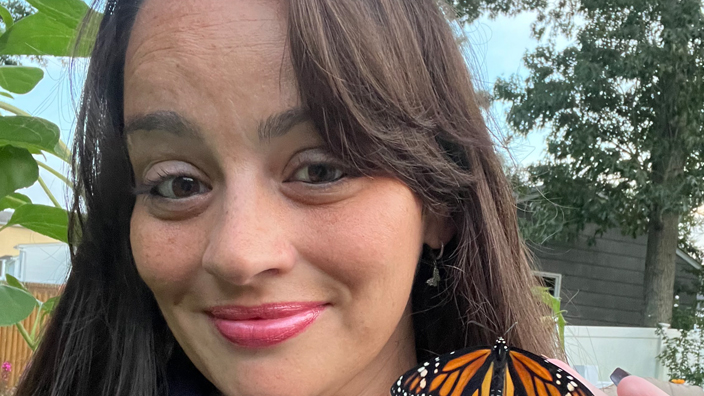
<point x="264" y="325"/>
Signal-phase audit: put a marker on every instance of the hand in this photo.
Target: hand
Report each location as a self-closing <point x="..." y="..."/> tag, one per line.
<point x="629" y="386"/>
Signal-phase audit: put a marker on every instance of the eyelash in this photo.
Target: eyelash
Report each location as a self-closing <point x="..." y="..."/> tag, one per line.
<point x="148" y="188"/>
<point x="344" y="172"/>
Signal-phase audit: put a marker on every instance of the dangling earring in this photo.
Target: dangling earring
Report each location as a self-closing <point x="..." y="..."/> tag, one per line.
<point x="435" y="280"/>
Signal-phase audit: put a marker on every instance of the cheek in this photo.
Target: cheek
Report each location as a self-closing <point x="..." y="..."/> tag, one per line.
<point x="371" y="243"/>
<point x="167" y="254"/>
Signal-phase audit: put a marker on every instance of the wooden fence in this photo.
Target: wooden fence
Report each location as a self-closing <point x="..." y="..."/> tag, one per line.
<point x="13" y="348"/>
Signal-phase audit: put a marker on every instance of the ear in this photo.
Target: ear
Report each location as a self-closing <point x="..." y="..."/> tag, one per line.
<point x="439" y="229"/>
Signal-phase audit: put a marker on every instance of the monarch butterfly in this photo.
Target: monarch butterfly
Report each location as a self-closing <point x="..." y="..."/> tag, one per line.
<point x="486" y="371"/>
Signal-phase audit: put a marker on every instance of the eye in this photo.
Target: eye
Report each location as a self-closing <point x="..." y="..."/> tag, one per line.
<point x="178" y="187"/>
<point x="318" y="173"/>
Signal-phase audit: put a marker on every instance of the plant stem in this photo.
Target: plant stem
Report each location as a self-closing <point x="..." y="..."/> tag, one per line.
<point x="35" y="325"/>
<point x="27" y="338"/>
<point x="15" y="200"/>
<point x="55" y="173"/>
<point x="62" y="151"/>
<point x="13" y="109"/>
<point x="48" y="192"/>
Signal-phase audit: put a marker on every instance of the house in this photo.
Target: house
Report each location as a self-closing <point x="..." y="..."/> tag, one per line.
<point x="30" y="256"/>
<point x="602" y="284"/>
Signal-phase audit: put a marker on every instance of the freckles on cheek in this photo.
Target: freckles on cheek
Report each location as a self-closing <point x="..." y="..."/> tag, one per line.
<point x="166" y="254"/>
<point x="373" y="241"/>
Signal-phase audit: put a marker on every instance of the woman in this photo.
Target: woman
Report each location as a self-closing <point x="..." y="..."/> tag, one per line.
<point x="282" y="198"/>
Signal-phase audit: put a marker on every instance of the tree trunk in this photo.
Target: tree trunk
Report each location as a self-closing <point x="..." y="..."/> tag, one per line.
<point x="668" y="162"/>
<point x="660" y="267"/>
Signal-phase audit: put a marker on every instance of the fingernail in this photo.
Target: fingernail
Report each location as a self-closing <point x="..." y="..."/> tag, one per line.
<point x="618" y="375"/>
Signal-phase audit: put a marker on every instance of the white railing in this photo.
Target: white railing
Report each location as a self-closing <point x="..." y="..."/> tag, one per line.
<point x="597" y="351"/>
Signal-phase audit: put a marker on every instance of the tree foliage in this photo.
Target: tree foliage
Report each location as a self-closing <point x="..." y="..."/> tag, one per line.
<point x="470" y="10"/>
<point x="623" y="106"/>
<point x="627" y="94"/>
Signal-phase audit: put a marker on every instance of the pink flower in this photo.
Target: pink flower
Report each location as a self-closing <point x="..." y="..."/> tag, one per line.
<point x="6" y="367"/>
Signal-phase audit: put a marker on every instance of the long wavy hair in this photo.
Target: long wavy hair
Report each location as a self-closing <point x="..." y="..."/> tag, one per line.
<point x="390" y="92"/>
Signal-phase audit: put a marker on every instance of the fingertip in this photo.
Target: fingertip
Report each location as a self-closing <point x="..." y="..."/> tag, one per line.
<point x="637" y="386"/>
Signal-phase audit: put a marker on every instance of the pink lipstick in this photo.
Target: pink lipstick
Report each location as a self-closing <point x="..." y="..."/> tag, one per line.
<point x="264" y="325"/>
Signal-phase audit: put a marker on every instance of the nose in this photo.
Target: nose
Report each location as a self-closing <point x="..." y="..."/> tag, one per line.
<point x="249" y="239"/>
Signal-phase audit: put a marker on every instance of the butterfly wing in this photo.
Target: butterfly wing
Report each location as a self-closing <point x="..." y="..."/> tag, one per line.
<point x="467" y="372"/>
<point x="528" y="374"/>
<point x="482" y="372"/>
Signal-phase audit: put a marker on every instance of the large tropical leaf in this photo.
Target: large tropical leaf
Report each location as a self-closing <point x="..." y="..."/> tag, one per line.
<point x="18" y="169"/>
<point x="14" y="282"/>
<point x="16" y="305"/>
<point x="20" y="79"/>
<point x="70" y="13"/>
<point x="13" y="201"/>
<point x="6" y="17"/>
<point x="32" y="133"/>
<point x="49" y="305"/>
<point x="46" y="220"/>
<point x="39" y="34"/>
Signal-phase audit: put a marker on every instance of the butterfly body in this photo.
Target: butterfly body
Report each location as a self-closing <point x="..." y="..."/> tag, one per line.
<point x="489" y="371"/>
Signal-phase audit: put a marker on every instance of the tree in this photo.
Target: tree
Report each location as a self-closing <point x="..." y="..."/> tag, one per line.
<point x="470" y="10"/>
<point x="624" y="106"/>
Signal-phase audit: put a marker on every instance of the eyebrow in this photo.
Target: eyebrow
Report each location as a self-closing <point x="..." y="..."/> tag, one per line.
<point x="168" y="121"/>
<point x="279" y="124"/>
<point x="273" y="126"/>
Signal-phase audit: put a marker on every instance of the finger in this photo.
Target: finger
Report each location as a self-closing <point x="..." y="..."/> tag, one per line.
<point x="637" y="386"/>
<point x="564" y="366"/>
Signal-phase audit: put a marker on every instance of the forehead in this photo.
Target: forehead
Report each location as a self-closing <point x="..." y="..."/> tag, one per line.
<point x="207" y="25"/>
<point x="207" y="46"/>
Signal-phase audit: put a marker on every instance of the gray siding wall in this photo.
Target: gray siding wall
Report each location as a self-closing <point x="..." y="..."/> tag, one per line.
<point x="602" y="284"/>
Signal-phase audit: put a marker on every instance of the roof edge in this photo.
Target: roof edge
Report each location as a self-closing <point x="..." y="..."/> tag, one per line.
<point x="688" y="259"/>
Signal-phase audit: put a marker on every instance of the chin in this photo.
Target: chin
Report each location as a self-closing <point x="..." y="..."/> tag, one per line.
<point x="270" y="386"/>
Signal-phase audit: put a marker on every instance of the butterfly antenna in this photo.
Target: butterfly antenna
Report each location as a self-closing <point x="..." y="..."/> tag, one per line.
<point x="509" y="329"/>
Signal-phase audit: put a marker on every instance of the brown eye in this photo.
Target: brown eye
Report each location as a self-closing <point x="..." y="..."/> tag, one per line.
<point x="179" y="187"/>
<point x="319" y="173"/>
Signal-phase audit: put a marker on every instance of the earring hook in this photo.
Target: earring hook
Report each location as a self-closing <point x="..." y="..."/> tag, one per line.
<point x="442" y="250"/>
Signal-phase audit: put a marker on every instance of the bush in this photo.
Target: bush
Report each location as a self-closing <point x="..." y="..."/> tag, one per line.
<point x="683" y="355"/>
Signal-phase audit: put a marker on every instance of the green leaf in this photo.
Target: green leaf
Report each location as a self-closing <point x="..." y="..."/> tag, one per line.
<point x="32" y="133"/>
<point x="16" y="305"/>
<point x="70" y="13"/>
<point x="20" y="79"/>
<point x="41" y="35"/>
<point x="7" y="95"/>
<point x="6" y="17"/>
<point x="46" y="220"/>
<point x="18" y="169"/>
<point x="49" y="305"/>
<point x="14" y="282"/>
<point x="13" y="201"/>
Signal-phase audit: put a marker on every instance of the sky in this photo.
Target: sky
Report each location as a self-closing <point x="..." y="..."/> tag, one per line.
<point x="496" y="48"/>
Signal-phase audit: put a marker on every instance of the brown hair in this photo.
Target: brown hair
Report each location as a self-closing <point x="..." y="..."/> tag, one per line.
<point x="387" y="84"/>
<point x="390" y="92"/>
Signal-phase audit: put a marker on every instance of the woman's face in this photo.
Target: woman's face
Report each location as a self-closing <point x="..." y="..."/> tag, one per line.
<point x="278" y="270"/>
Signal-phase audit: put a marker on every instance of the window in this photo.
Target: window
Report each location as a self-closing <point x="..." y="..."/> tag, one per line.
<point x="10" y="267"/>
<point x="550" y="280"/>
